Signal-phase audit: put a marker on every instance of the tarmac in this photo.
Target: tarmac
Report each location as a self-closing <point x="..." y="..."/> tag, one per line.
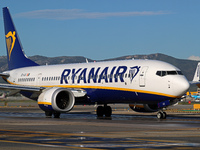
<point x="25" y="127"/>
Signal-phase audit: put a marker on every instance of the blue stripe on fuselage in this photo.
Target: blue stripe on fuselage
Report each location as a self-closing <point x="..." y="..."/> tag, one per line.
<point x="117" y="96"/>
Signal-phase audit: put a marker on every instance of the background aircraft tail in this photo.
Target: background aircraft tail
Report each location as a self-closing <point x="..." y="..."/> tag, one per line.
<point x="197" y="75"/>
<point x="15" y="55"/>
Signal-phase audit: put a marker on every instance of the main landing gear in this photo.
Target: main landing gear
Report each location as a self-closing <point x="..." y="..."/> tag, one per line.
<point x="50" y="113"/>
<point x="161" y="115"/>
<point x="104" y="110"/>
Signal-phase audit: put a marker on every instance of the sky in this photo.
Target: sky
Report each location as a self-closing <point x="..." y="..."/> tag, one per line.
<point x="102" y="29"/>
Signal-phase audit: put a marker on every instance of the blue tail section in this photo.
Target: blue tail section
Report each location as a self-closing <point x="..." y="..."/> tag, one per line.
<point x="15" y="54"/>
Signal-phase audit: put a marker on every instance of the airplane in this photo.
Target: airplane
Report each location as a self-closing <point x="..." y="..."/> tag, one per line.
<point x="57" y="88"/>
<point x="196" y="80"/>
<point x="146" y="108"/>
<point x="196" y="96"/>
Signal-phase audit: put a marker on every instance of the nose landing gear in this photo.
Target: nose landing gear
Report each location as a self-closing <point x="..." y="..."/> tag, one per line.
<point x="161" y="115"/>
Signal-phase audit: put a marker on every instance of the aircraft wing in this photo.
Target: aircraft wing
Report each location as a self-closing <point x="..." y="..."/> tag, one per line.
<point x="4" y="75"/>
<point x="14" y="89"/>
<point x="194" y="82"/>
<point x="8" y="87"/>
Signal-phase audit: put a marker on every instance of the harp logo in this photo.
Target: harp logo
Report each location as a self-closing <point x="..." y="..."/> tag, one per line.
<point x="133" y="72"/>
<point x="10" y="42"/>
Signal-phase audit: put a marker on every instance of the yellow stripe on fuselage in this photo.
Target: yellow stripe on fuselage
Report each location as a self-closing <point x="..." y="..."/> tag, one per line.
<point x="115" y="88"/>
<point x="109" y="88"/>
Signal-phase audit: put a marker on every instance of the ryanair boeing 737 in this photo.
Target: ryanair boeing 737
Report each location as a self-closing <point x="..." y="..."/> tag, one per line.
<point x="57" y="88"/>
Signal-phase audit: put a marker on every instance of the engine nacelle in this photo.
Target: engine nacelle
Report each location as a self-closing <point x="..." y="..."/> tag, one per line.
<point x="56" y="99"/>
<point x="151" y="107"/>
<point x="144" y="107"/>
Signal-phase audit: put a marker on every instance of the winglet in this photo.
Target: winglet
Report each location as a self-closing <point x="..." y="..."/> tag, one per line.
<point x="15" y="54"/>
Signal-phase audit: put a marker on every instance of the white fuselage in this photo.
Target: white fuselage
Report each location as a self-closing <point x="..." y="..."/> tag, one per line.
<point x="131" y="80"/>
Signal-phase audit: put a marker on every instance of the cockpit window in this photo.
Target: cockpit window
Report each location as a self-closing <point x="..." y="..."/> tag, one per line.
<point x="179" y="73"/>
<point x="159" y="73"/>
<point x="172" y="72"/>
<point x="164" y="73"/>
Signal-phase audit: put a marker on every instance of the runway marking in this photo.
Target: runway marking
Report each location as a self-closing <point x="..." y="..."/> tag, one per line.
<point x="88" y="142"/>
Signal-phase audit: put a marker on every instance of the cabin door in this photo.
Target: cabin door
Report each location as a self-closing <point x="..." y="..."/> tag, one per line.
<point x="142" y="79"/>
<point x="39" y="78"/>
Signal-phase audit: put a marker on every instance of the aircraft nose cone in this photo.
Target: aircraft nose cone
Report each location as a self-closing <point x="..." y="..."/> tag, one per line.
<point x="182" y="86"/>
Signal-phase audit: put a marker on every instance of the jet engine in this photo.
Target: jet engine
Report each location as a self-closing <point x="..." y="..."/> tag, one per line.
<point x="144" y="107"/>
<point x="56" y="99"/>
<point x="153" y="107"/>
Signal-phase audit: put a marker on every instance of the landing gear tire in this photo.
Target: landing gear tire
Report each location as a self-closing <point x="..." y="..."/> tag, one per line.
<point x="48" y="114"/>
<point x="100" y="111"/>
<point x="161" y="115"/>
<point x="106" y="110"/>
<point x="56" y="114"/>
<point x="164" y="115"/>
